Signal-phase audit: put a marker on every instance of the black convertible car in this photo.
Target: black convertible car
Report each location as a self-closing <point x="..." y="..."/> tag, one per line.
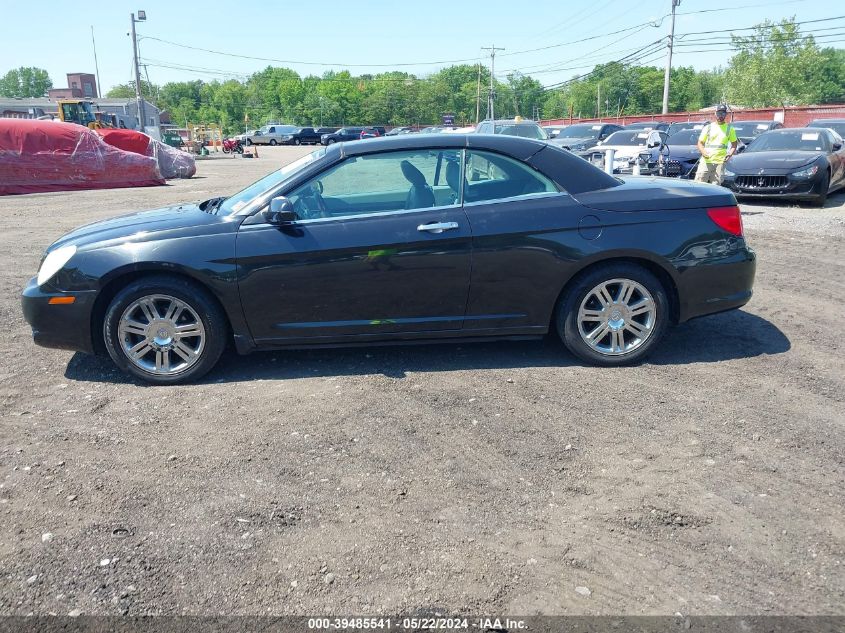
<point x="387" y="240"/>
<point x="796" y="163"/>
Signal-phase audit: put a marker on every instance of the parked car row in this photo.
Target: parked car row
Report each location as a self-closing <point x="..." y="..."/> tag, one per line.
<point x="771" y="161"/>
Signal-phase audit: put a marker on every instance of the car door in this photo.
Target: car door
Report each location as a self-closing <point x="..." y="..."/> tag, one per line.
<point x="526" y="235"/>
<point x="372" y="254"/>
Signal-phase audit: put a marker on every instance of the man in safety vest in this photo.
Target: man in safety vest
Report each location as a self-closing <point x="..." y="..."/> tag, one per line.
<point x="717" y="143"/>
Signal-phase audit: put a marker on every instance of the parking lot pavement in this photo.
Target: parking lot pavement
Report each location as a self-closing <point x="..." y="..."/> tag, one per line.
<point x="473" y="479"/>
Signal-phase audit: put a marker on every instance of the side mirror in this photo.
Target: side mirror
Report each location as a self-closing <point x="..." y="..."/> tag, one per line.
<point x="837" y="147"/>
<point x="280" y="211"/>
<point x="741" y="149"/>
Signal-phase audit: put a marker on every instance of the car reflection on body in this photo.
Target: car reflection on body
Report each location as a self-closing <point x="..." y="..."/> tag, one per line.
<point x="796" y="163"/>
<point x="388" y="241"/>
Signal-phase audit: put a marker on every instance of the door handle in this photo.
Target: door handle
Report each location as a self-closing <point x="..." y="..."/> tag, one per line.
<point x="437" y="227"/>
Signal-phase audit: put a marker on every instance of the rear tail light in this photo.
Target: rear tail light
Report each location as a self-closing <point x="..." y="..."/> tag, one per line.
<point x="727" y="218"/>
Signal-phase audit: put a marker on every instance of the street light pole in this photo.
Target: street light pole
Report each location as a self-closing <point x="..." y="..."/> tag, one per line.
<point x="139" y="100"/>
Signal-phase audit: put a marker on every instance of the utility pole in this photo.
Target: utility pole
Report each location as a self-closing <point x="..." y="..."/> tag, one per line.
<point x="598" y="100"/>
<point x="139" y="100"/>
<point x="675" y="3"/>
<point x="492" y="95"/>
<point x="96" y="65"/>
<point x="478" y="96"/>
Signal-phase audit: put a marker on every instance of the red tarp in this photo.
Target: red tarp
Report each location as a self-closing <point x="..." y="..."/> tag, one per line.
<point x="172" y="163"/>
<point x="128" y="140"/>
<point x="38" y="156"/>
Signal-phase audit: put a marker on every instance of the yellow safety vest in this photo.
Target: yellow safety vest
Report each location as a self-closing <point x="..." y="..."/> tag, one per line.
<point x="716" y="138"/>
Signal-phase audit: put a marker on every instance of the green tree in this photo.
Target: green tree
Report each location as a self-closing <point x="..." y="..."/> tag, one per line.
<point x="127" y="91"/>
<point x="26" y="81"/>
<point x="776" y="65"/>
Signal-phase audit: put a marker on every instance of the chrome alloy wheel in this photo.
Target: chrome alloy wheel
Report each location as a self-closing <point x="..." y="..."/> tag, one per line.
<point x="161" y="335"/>
<point x="616" y="317"/>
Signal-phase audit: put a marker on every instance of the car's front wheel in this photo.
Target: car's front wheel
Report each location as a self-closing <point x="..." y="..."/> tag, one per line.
<point x="164" y="330"/>
<point x="613" y="315"/>
<point x="824" y="185"/>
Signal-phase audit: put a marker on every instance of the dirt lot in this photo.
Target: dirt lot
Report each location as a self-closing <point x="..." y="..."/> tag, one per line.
<point x="490" y="478"/>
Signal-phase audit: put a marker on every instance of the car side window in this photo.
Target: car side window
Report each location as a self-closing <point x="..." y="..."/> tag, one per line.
<point x="377" y="183"/>
<point x="495" y="177"/>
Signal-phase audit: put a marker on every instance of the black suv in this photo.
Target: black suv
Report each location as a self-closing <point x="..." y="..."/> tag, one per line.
<point x="343" y="134"/>
<point x="303" y="136"/>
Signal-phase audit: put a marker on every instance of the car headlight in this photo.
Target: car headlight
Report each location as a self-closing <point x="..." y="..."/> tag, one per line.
<point x="807" y="172"/>
<point x="54" y="262"/>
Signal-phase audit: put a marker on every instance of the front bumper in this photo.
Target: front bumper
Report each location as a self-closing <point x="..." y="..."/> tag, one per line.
<point x="751" y="186"/>
<point x="61" y="326"/>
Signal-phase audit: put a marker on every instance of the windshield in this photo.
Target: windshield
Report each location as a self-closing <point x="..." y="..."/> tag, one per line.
<point x="584" y="130"/>
<point x="806" y="140"/>
<point x="837" y="126"/>
<point x="684" y="137"/>
<point x="271" y="180"/>
<point x="750" y="128"/>
<point x="522" y="130"/>
<point x="627" y="137"/>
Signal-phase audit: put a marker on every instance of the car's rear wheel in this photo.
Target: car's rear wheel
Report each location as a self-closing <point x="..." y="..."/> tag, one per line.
<point x="613" y="315"/>
<point x="164" y="330"/>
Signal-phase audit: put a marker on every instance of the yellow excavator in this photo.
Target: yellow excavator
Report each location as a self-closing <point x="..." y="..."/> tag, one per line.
<point x="82" y="113"/>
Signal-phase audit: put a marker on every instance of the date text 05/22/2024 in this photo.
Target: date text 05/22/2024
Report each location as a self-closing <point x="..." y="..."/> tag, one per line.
<point x="415" y="624"/>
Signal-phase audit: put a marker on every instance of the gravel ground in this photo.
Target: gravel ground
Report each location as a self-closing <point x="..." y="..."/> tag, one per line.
<point x="483" y="478"/>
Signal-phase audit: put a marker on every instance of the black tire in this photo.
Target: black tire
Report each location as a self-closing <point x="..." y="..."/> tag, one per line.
<point x="248" y="142"/>
<point x="199" y="300"/>
<point x="570" y="303"/>
<point x="820" y="199"/>
<point x="296" y="141"/>
<point x="272" y="141"/>
<point x="330" y="141"/>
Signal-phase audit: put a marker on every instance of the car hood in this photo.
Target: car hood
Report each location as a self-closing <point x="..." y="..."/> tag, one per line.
<point x="648" y="193"/>
<point x="776" y="163"/>
<point x="683" y="152"/>
<point x="622" y="151"/>
<point x="573" y="140"/>
<point x="184" y="220"/>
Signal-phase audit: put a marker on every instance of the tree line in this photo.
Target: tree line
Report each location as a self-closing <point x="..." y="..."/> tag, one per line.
<point x="773" y="66"/>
